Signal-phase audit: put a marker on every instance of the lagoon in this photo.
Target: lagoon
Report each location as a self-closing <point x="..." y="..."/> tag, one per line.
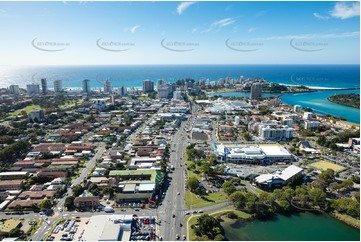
<point x="301" y="226"/>
<point x="315" y="100"/>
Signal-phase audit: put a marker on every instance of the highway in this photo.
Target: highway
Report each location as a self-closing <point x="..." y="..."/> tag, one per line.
<point x="171" y="212"/>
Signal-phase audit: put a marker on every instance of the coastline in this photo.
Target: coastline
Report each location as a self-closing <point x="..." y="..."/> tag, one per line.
<point x="343" y="104"/>
<point x="340" y="217"/>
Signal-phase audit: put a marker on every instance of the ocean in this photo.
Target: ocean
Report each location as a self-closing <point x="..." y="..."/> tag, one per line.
<point x="329" y="76"/>
<point x="133" y="75"/>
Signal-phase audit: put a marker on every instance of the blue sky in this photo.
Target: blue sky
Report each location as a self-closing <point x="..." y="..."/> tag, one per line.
<point x="82" y="33"/>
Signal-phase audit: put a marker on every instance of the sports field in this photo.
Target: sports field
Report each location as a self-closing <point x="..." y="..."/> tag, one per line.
<point x="324" y="165"/>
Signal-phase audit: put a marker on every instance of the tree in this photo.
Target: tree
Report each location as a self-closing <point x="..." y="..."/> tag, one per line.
<point x="193" y="183"/>
<point x="108" y="190"/>
<point x="69" y="202"/>
<point x="206" y="169"/>
<point x="347" y="184"/>
<point x="219" y="237"/>
<point x="93" y="189"/>
<point x="228" y="188"/>
<point x="317" y="196"/>
<point x="77" y="190"/>
<point x="239" y="199"/>
<point x="45" y="204"/>
<point x="327" y="175"/>
<point x="16" y="232"/>
<point x="207" y="225"/>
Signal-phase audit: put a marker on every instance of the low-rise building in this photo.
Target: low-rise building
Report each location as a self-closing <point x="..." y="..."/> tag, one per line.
<point x="251" y="154"/>
<point x="279" y="178"/>
<point x="11" y="185"/>
<point x="12" y="175"/>
<point x="137" y="185"/>
<point x="86" y="202"/>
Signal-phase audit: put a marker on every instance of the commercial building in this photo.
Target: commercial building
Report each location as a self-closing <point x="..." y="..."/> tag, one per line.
<point x="279" y="178"/>
<point x="108" y="87"/>
<point x="86" y="86"/>
<point x="44" y="86"/>
<point x="256" y="91"/>
<point x="122" y="91"/>
<point x="251" y="154"/>
<point x="14" y="89"/>
<point x="33" y="89"/>
<point x="148" y="86"/>
<point x="164" y="91"/>
<point x="137" y="185"/>
<point x="177" y="94"/>
<point x="115" y="227"/>
<point x="297" y="108"/>
<point x="58" y="86"/>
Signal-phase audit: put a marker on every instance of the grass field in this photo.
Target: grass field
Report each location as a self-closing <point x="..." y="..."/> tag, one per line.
<point x="193" y="220"/>
<point x="208" y="200"/>
<point x="27" y="109"/>
<point x="324" y="165"/>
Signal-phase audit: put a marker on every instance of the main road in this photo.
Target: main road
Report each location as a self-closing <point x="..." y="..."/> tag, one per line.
<point x="171" y="212"/>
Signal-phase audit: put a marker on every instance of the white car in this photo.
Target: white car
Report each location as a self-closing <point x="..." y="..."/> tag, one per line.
<point x="178" y="193"/>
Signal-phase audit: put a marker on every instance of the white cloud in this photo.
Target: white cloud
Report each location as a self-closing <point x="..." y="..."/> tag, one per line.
<point x="319" y="16"/>
<point x="261" y="13"/>
<point x="345" y="10"/>
<point x="252" y="29"/>
<point x="194" y="30"/>
<point x="134" y="28"/>
<point x="313" y="36"/>
<point x="183" y="6"/>
<point x="218" y="25"/>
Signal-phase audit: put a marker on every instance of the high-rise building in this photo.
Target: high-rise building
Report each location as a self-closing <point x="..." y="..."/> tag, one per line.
<point x="256" y="91"/>
<point x="164" y="91"/>
<point x="297" y="108"/>
<point x="33" y="89"/>
<point x="122" y="91"/>
<point x="107" y="87"/>
<point x="14" y="89"/>
<point x="148" y="86"/>
<point x="177" y="95"/>
<point x="160" y="83"/>
<point x="58" y="86"/>
<point x="86" y="86"/>
<point x="311" y="124"/>
<point x="236" y="120"/>
<point x="307" y="116"/>
<point x="44" y="86"/>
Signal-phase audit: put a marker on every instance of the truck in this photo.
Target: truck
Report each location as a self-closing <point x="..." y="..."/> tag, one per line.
<point x="108" y="210"/>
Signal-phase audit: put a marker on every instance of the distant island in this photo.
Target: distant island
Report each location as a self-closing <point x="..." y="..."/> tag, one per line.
<point x="352" y="99"/>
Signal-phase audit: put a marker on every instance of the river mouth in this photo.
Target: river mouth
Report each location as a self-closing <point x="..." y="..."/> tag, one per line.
<point x="304" y="226"/>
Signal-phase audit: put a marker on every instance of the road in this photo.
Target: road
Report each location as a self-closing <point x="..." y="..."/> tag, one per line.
<point x="172" y="213"/>
<point x="173" y="203"/>
<point x="44" y="228"/>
